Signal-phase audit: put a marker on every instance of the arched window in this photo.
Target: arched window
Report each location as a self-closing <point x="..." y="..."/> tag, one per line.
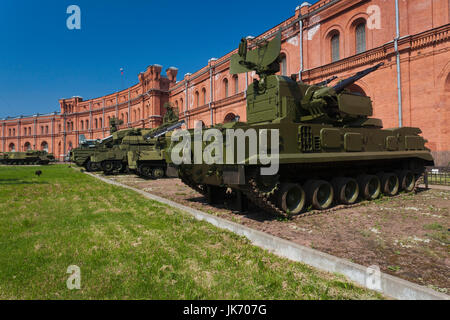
<point x="44" y="146"/>
<point x="87" y="124"/>
<point x="126" y="113"/>
<point x="354" y="88"/>
<point x="236" y="84"/>
<point x="181" y="103"/>
<point x="82" y="125"/>
<point x="283" y="65"/>
<point x="176" y="104"/>
<point x="197" y="99"/>
<point x="14" y="132"/>
<point x="101" y="123"/>
<point x="121" y="116"/>
<point x="46" y="129"/>
<point x="96" y="123"/>
<point x="138" y="114"/>
<point x="27" y="146"/>
<point x="229" y="117"/>
<point x="204" y="96"/>
<point x="109" y="121"/>
<point x="9" y="132"/>
<point x="335" y="56"/>
<point x="12" y="147"/>
<point x="225" y="87"/>
<point x="360" y="33"/>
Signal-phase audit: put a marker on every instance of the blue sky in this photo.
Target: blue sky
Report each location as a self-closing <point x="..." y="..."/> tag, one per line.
<point x="42" y="61"/>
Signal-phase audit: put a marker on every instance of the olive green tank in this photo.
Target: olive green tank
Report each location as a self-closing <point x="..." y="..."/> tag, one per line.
<point x="82" y="155"/>
<point x="30" y="157"/>
<point x="330" y="151"/>
<point x="146" y="154"/>
<point x="139" y="150"/>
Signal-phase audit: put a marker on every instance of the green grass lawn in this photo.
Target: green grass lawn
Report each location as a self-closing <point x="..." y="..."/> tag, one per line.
<point x="128" y="247"/>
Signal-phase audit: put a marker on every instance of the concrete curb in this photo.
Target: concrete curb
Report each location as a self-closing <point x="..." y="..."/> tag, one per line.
<point x="387" y="285"/>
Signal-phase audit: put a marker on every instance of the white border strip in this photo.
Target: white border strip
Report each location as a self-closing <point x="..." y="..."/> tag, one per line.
<point x="390" y="286"/>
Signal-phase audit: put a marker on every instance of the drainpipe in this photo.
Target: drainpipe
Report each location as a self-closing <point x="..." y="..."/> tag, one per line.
<point x="399" y="78"/>
<point x="211" y="96"/>
<point x="186" y="97"/>
<point x="301" y="48"/>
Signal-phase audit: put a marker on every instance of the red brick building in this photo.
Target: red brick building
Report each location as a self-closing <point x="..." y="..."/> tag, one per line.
<point x="331" y="37"/>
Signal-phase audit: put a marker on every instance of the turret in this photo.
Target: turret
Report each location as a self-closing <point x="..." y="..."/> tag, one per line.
<point x="275" y="98"/>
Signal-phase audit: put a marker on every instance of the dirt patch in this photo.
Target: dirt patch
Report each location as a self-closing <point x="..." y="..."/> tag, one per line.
<point x="406" y="236"/>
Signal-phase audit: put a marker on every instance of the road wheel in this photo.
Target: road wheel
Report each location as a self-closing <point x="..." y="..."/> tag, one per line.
<point x="145" y="171"/>
<point x="291" y="198"/>
<point x="389" y="183"/>
<point x="108" y="167"/>
<point x="158" y="173"/>
<point x="369" y="186"/>
<point x="89" y="166"/>
<point x="346" y="190"/>
<point x="407" y="180"/>
<point x="319" y="193"/>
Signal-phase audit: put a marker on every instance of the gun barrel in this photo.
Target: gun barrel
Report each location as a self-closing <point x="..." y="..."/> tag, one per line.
<point x="325" y="82"/>
<point x="349" y="81"/>
<point x="165" y="130"/>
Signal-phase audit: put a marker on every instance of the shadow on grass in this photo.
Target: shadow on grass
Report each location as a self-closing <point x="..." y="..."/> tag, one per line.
<point x="19" y="182"/>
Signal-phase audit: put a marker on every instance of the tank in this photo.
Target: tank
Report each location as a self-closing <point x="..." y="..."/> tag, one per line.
<point x="30" y="157"/>
<point x="329" y="148"/>
<point x="139" y="148"/>
<point x="113" y="157"/>
<point x="82" y="155"/>
<point x="146" y="154"/>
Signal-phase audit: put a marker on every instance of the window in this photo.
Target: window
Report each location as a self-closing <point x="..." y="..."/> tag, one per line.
<point x="27" y="146"/>
<point x="283" y="65"/>
<point x="236" y="84"/>
<point x="335" y="48"/>
<point x="225" y="87"/>
<point x="9" y="133"/>
<point x="46" y="129"/>
<point x="44" y="146"/>
<point x="96" y="123"/>
<point x="101" y="123"/>
<point x="204" y="96"/>
<point x="12" y="147"/>
<point x="360" y="33"/>
<point x="82" y="125"/>
<point x="87" y="124"/>
<point x="14" y="132"/>
<point x="197" y="99"/>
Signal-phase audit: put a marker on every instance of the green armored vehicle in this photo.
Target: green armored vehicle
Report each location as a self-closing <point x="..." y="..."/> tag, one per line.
<point x="329" y="150"/>
<point x="30" y="157"/>
<point x="139" y="150"/>
<point x="147" y="153"/>
<point x="114" y="156"/>
<point x="82" y="155"/>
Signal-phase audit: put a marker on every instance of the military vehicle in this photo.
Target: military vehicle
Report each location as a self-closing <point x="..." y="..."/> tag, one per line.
<point x="113" y="157"/>
<point x="147" y="153"/>
<point x="82" y="155"/>
<point x="30" y="157"/>
<point x="330" y="149"/>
